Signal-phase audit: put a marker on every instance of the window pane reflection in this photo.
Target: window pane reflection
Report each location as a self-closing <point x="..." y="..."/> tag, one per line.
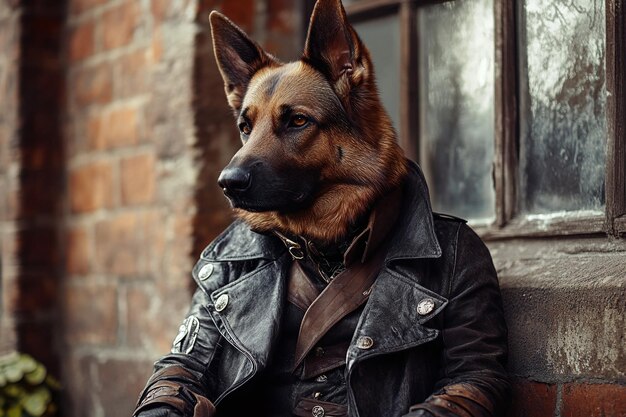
<point x="562" y="105"/>
<point x="382" y="37"/>
<point x="456" y="71"/>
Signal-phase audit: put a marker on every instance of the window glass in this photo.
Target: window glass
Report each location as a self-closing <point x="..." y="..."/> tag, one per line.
<point x="456" y="84"/>
<point x="382" y="37"/>
<point x="562" y="105"/>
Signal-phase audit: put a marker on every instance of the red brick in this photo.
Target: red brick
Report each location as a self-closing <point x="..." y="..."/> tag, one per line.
<point x="77" y="255"/>
<point x="160" y="9"/>
<point x="280" y="16"/>
<point x="593" y="400"/>
<point x="82" y="41"/>
<point x="93" y="86"/>
<point x="116" y="128"/>
<point x="117" y="243"/>
<point x="532" y="399"/>
<point x="157" y="45"/>
<point x="148" y="326"/>
<point x="138" y="179"/>
<point x="242" y="12"/>
<point x="79" y="381"/>
<point x="132" y="73"/>
<point x="79" y="6"/>
<point x="91" y="187"/>
<point x="130" y="244"/>
<point x="119" y="384"/>
<point x="91" y="314"/>
<point x="153" y="244"/>
<point x="119" y="23"/>
<point x="206" y="6"/>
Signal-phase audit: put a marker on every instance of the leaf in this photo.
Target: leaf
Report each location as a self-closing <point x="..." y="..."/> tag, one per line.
<point x="37" y="376"/>
<point x="9" y="358"/>
<point x="14" y="411"/>
<point x="53" y="383"/>
<point x="35" y="403"/>
<point x="27" y="363"/>
<point x="13" y="373"/>
<point x="14" y="391"/>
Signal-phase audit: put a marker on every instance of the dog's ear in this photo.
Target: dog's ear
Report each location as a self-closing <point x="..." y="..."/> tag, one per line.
<point x="238" y="57"/>
<point x="334" y="48"/>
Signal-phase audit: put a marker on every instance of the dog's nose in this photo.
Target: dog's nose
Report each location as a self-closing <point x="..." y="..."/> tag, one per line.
<point x="234" y="180"/>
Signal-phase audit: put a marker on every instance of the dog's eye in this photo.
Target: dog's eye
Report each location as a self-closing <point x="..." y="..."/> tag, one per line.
<point x="298" y="120"/>
<point x="245" y="128"/>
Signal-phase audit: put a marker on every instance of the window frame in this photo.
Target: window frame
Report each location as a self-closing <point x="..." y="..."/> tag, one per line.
<point x="508" y="222"/>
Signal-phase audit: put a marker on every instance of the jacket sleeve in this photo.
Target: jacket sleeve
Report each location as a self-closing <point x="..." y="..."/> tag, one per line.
<point x="180" y="386"/>
<point x="474" y="382"/>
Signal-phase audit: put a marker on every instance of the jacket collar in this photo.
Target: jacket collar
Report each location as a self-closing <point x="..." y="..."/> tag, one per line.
<point x="239" y="243"/>
<point x="413" y="233"/>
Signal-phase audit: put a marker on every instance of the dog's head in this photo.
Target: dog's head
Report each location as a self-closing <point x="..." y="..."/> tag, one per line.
<point x="318" y="147"/>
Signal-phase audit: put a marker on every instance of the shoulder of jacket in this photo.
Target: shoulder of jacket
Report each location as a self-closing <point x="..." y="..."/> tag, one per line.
<point x="448" y="217"/>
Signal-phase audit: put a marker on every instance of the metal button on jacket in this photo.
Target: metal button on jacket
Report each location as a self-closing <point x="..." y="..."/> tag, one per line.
<point x="318" y="411"/>
<point x="205" y="271"/>
<point x="426" y="306"/>
<point x="364" y="342"/>
<point x="221" y="302"/>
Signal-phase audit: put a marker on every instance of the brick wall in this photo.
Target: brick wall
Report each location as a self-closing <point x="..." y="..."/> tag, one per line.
<point x="112" y="132"/>
<point x="131" y="175"/>
<point x="147" y="131"/>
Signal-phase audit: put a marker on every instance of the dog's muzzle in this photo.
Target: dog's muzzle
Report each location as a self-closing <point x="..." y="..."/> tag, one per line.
<point x="234" y="180"/>
<point x="256" y="186"/>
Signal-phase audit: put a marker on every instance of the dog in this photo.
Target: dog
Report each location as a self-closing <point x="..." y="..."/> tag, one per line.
<point x="318" y="146"/>
<point x="337" y="291"/>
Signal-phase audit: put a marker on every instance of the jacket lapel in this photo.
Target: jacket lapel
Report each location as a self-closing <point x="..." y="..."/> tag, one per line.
<point x="391" y="321"/>
<point x="250" y="319"/>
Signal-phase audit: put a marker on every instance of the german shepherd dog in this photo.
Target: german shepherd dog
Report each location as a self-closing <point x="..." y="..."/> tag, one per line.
<point x="318" y="147"/>
<point x="319" y="154"/>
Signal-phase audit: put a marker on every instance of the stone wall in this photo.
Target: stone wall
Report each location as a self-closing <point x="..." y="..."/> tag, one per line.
<point x="565" y="304"/>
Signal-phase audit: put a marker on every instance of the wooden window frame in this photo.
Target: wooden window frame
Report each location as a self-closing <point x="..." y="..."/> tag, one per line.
<point x="508" y="222"/>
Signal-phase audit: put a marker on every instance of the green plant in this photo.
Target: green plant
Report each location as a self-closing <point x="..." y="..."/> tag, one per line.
<point x="26" y="389"/>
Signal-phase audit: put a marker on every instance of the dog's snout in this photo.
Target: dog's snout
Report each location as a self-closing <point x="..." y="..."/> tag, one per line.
<point x="234" y="180"/>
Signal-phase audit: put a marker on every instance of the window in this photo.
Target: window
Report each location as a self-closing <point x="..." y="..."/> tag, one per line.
<point x="516" y="111"/>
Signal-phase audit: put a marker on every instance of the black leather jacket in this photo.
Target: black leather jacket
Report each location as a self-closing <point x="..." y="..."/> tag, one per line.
<point x="443" y="358"/>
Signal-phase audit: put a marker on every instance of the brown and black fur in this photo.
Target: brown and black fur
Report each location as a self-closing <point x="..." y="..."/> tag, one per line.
<point x="316" y="180"/>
